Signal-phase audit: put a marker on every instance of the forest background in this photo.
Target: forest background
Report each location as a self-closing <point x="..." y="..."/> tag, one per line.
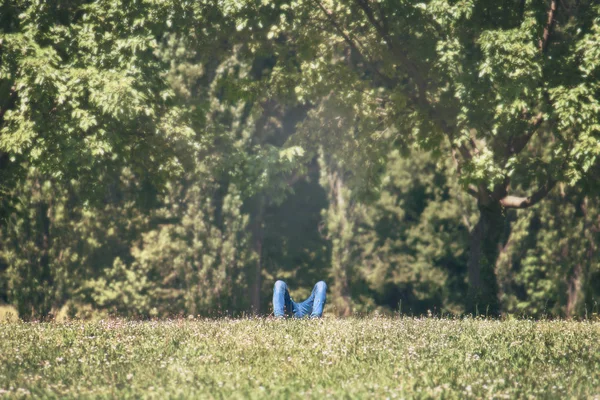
<point x="163" y="158"/>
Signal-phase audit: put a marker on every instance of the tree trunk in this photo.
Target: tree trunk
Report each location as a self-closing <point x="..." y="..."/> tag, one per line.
<point x="340" y="251"/>
<point x="485" y="246"/>
<point x="579" y="277"/>
<point x="257" y="245"/>
<point x="340" y="230"/>
<point x="574" y="291"/>
<point x="37" y="300"/>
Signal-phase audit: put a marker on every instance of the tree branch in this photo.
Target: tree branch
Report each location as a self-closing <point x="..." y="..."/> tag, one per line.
<point x="543" y="44"/>
<point x="465" y="152"/>
<point x="382" y="18"/>
<point x="526" y="202"/>
<point x="417" y="97"/>
<point x="413" y="71"/>
<point x="330" y="17"/>
<point x="291" y="181"/>
<point x="383" y="31"/>
<point x="473" y="192"/>
<point x="516" y="145"/>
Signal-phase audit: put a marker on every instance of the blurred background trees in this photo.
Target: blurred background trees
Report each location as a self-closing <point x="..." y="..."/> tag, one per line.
<point x="166" y="158"/>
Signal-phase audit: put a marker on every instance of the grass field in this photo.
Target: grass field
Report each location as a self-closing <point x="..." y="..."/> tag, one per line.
<point x="339" y="358"/>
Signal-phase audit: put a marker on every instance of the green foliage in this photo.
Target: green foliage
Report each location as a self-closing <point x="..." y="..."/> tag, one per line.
<point x="193" y="265"/>
<point x="471" y="74"/>
<point x="83" y="89"/>
<point x="52" y="244"/>
<point x="421" y="226"/>
<point x="405" y="250"/>
<point x="550" y="264"/>
<point x="161" y="157"/>
<point x="295" y="248"/>
<point x="472" y="82"/>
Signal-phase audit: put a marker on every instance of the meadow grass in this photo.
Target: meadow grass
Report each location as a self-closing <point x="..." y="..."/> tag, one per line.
<point x="8" y="313"/>
<point x="264" y="358"/>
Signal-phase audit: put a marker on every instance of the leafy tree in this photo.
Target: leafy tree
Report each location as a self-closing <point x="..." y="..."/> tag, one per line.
<point x="152" y="87"/>
<point x="550" y="263"/>
<point x="405" y="251"/>
<point x="341" y="218"/>
<point x="479" y="79"/>
<point x="82" y="92"/>
<point x="52" y="244"/>
<point x="84" y="97"/>
<point x="193" y="264"/>
<point x="161" y="157"/>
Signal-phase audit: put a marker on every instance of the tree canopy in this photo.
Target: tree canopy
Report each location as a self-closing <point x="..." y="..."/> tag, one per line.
<point x="194" y="152"/>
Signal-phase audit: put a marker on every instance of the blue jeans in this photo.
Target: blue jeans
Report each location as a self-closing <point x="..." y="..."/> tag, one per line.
<point x="284" y="305"/>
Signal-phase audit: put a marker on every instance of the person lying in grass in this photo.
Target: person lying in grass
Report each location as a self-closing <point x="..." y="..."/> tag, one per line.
<point x="283" y="305"/>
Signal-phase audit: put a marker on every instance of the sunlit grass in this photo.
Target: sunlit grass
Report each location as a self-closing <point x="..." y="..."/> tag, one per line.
<point x="257" y="358"/>
<point x="8" y="314"/>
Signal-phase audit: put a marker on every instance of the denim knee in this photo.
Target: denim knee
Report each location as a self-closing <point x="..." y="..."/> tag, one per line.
<point x="321" y="286"/>
<point x="279" y="285"/>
